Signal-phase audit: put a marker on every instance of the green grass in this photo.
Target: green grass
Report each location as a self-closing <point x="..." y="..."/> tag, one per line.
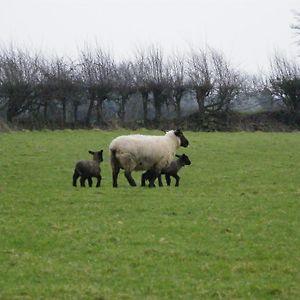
<point x="230" y="231"/>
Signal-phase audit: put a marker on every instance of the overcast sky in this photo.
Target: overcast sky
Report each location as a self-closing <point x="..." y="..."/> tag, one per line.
<point x="247" y="31"/>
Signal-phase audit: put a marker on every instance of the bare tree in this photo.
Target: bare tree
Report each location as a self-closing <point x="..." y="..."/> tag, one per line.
<point x="45" y="88"/>
<point x="59" y="83"/>
<point x="200" y="75"/>
<point x="215" y="81"/>
<point x="125" y="87"/>
<point x="296" y="26"/>
<point x="177" y="69"/>
<point x="159" y="79"/>
<point x="98" y="71"/>
<point x="77" y="90"/>
<point x="285" y="83"/>
<point x="227" y="83"/>
<point x="18" y="78"/>
<point x="140" y="70"/>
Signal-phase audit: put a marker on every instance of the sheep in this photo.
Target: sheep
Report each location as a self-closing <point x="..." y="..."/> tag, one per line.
<point x="142" y="152"/>
<point x="86" y="169"/>
<point x="171" y="170"/>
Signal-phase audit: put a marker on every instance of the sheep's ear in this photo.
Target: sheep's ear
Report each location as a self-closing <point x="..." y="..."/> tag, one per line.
<point x="163" y="130"/>
<point x="101" y="151"/>
<point x="178" y="132"/>
<point x="91" y="152"/>
<point x="177" y="155"/>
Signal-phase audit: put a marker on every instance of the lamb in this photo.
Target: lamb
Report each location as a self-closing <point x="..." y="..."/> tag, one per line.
<point x="86" y="169"/>
<point x="142" y="152"/>
<point x="171" y="170"/>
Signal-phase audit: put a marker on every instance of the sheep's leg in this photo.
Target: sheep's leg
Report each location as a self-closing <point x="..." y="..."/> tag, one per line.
<point x="153" y="178"/>
<point x="177" y="179"/>
<point x="129" y="178"/>
<point x="148" y="176"/>
<point x="168" y="179"/>
<point x="75" y="177"/>
<point x="90" y="181"/>
<point x="98" y="180"/>
<point x="115" y="166"/>
<point x="115" y="174"/>
<point x="82" y="181"/>
<point x="143" y="179"/>
<point x="159" y="180"/>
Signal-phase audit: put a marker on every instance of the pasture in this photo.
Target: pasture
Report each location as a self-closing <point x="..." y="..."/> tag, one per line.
<point x="229" y="231"/>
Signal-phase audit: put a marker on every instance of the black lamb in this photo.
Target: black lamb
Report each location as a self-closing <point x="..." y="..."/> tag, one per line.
<point x="86" y="169"/>
<point x="169" y="171"/>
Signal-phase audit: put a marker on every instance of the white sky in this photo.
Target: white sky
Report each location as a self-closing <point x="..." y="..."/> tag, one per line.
<point x="247" y="31"/>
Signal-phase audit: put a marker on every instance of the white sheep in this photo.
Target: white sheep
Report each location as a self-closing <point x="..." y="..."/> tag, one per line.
<point x="144" y="152"/>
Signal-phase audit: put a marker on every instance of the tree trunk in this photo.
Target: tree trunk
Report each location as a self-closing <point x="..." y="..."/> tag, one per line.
<point x="11" y="111"/>
<point x="121" y="112"/>
<point x="64" y="113"/>
<point x="177" y="106"/>
<point x="99" y="110"/>
<point x="9" y="116"/>
<point x="201" y="107"/>
<point x="45" y="112"/>
<point x="89" y="113"/>
<point x="157" y="106"/>
<point x="145" y="98"/>
<point x="75" y="113"/>
<point x="200" y="97"/>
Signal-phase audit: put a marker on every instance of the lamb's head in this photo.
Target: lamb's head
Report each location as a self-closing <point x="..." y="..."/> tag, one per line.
<point x="97" y="155"/>
<point x="184" y="159"/>
<point x="183" y="140"/>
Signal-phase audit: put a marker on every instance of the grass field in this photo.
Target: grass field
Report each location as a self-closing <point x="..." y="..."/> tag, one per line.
<point x="230" y="231"/>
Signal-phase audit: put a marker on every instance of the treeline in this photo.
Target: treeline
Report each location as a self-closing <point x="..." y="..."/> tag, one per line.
<point x="36" y="87"/>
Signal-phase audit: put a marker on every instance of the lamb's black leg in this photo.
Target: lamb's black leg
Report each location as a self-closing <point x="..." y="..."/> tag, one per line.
<point x="159" y="180"/>
<point x="129" y="178"/>
<point x="90" y="181"/>
<point x="98" y="180"/>
<point x="143" y="179"/>
<point x="115" y="174"/>
<point x="177" y="179"/>
<point x="168" y="179"/>
<point x="82" y="181"/>
<point x="75" y="177"/>
<point x="152" y="178"/>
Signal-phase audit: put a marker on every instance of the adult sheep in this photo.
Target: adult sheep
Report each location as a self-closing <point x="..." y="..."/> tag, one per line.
<point x="144" y="152"/>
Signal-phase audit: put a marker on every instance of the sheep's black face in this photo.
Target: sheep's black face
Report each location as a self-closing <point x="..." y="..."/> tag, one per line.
<point x="185" y="159"/>
<point x="100" y="155"/>
<point x="97" y="155"/>
<point x="183" y="140"/>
